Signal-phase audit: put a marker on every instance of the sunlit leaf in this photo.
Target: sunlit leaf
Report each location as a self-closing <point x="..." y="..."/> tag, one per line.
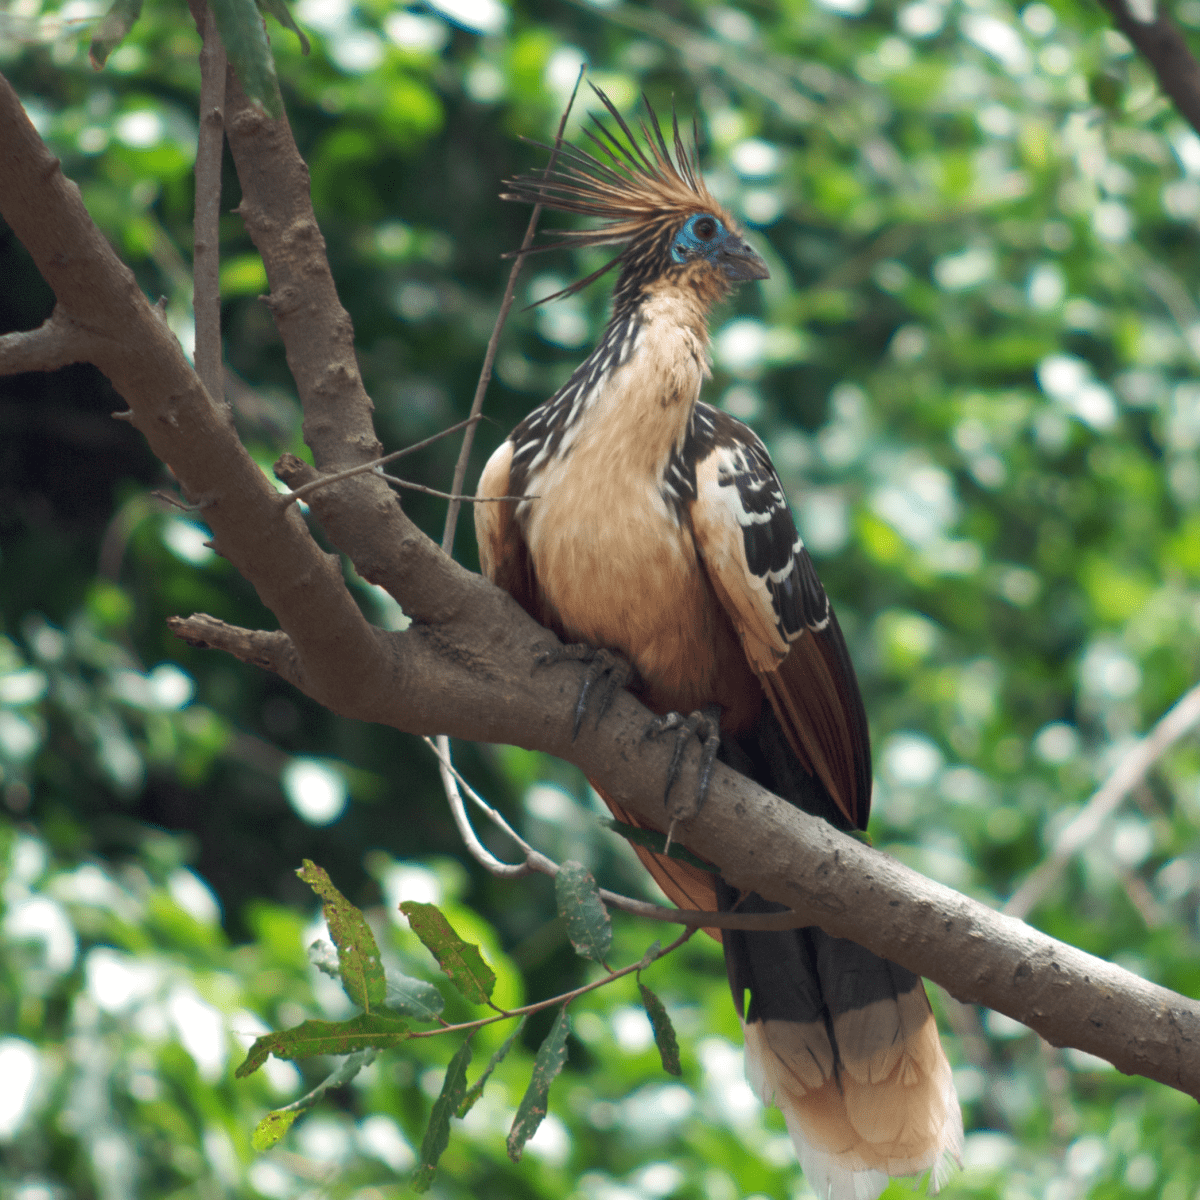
<point x="461" y="960"/>
<point x="380" y="1031"/>
<point x="359" y="963"/>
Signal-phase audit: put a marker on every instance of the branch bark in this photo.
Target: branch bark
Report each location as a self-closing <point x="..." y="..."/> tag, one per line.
<point x="465" y="665"/>
<point x="1163" y="46"/>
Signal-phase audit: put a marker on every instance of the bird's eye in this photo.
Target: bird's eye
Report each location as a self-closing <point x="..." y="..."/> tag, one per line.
<point x="705" y="229"/>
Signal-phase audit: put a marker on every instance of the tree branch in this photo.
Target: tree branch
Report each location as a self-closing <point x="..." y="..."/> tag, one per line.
<point x="1162" y="45"/>
<point x="465" y="665"/>
<point x="56" y="342"/>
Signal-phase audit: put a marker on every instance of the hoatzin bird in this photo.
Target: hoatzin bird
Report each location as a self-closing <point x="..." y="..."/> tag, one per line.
<point x="656" y="529"/>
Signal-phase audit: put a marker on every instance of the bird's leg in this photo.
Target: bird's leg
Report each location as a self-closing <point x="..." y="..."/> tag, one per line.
<point x="606" y="668"/>
<point x="704" y="724"/>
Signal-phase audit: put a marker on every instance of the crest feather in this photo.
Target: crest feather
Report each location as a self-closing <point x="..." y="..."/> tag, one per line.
<point x="640" y="192"/>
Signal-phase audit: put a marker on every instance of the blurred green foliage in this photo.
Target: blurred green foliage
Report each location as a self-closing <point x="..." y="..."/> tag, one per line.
<point x="975" y="365"/>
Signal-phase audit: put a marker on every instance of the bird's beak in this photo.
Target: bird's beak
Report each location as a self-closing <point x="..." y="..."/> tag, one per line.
<point x="740" y="261"/>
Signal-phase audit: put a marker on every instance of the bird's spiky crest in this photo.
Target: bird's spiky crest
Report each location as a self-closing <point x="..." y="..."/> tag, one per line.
<point x="640" y="194"/>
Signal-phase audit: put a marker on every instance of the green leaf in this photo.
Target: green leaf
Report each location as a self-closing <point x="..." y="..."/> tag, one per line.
<point x="279" y="11"/>
<point x="110" y="33"/>
<point x="579" y="903"/>
<point x="380" y="1031"/>
<point x="461" y="960"/>
<point x="656" y="841"/>
<point x="272" y="1127"/>
<point x="244" y="35"/>
<point x="412" y="997"/>
<point x="275" y="1124"/>
<point x="359" y="963"/>
<point x="664" y="1032"/>
<point x="476" y="1089"/>
<point x="551" y="1057"/>
<point x="437" y="1135"/>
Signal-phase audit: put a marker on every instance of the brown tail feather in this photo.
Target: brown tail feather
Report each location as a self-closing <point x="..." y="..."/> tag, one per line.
<point x="686" y="886"/>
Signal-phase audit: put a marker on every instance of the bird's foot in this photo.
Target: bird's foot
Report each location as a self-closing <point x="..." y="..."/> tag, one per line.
<point x="607" y="672"/>
<point x="705" y="725"/>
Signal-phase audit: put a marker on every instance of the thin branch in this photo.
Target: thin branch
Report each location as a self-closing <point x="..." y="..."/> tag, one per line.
<point x="565" y="998"/>
<point x="206" y="249"/>
<point x="457" y="498"/>
<point x="374" y="464"/>
<point x="1162" y="45"/>
<point x="537" y="862"/>
<point x="56" y="342"/>
<point x="1179" y="720"/>
<point x="489" y="358"/>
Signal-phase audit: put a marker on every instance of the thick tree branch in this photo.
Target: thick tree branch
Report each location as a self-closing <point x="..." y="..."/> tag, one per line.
<point x="465" y="666"/>
<point x="1164" y="47"/>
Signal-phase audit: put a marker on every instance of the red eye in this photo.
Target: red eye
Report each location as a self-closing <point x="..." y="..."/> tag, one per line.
<point x="705" y="229"/>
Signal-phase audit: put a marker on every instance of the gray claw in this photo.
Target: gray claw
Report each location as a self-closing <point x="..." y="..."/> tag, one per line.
<point x="703" y="724"/>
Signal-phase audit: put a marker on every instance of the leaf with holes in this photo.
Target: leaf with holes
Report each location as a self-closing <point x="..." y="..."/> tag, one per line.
<point x="461" y="960"/>
<point x="380" y="1031"/>
<point x="664" y="1031"/>
<point x="359" y="963"/>
<point x="551" y="1057"/>
<point x="437" y="1135"/>
<point x="579" y="904"/>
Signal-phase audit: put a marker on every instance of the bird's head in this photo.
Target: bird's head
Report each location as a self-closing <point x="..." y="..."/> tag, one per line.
<point x="652" y="203"/>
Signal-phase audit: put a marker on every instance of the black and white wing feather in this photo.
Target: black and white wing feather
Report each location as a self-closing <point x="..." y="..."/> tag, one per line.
<point x="765" y="579"/>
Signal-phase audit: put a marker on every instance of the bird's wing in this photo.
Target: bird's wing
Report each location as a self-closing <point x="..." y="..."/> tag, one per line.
<point x="503" y="554"/>
<point x="765" y="579"/>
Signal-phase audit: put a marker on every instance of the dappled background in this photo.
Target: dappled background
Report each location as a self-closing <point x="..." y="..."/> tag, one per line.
<point x="975" y="366"/>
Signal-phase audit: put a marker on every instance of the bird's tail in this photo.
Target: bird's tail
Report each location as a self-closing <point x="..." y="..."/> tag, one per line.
<point x="846" y="1045"/>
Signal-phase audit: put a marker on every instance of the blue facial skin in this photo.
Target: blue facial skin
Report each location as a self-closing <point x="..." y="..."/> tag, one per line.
<point x="705" y="236"/>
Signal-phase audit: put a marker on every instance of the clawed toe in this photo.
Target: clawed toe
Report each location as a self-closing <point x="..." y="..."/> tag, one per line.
<point x="607" y="672"/>
<point x="704" y="725"/>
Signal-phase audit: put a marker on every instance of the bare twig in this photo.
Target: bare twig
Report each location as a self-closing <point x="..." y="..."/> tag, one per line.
<point x="458" y="498"/>
<point x="1166" y="50"/>
<point x="489" y="358"/>
<point x="537" y="862"/>
<point x="1179" y="720"/>
<point x="374" y="464"/>
<point x="206" y="250"/>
